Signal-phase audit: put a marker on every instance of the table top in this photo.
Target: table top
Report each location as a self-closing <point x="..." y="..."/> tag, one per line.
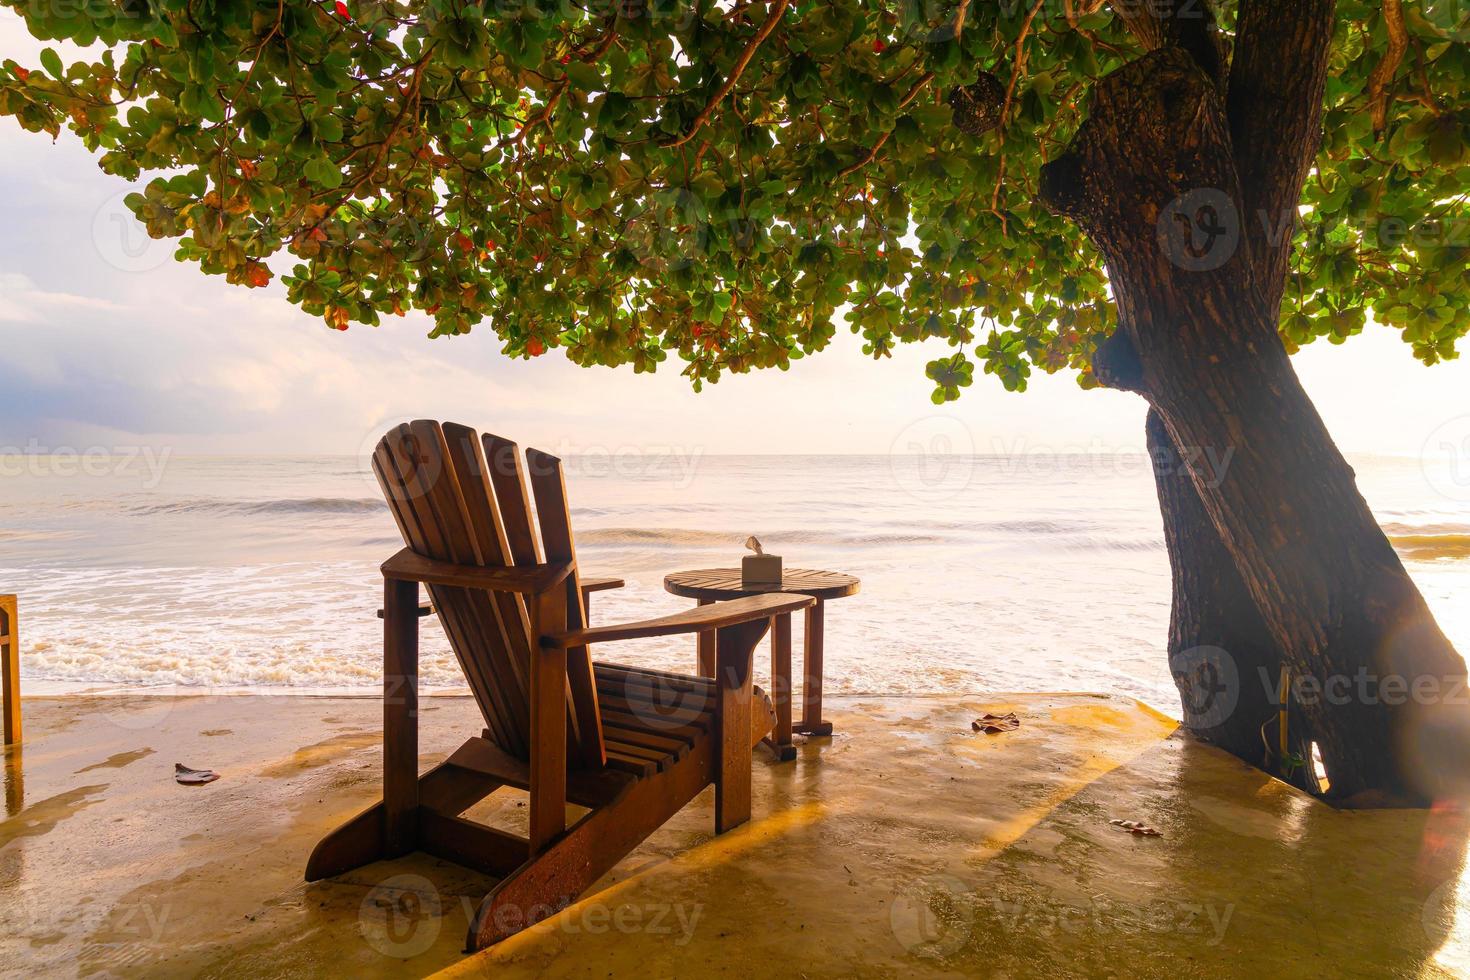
<point x="725" y="583"/>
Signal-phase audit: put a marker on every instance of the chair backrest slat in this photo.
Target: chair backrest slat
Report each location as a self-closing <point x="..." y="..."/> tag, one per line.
<point x="548" y="484"/>
<point x="506" y="475"/>
<point x="413" y="466"/>
<point x="470" y="609"/>
<point x="458" y="498"/>
<point x="508" y="620"/>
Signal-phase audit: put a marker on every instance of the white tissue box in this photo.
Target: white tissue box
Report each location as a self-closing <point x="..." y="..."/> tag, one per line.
<point x="760" y="570"/>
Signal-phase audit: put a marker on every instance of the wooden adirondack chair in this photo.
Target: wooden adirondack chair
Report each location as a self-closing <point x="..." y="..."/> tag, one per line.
<point x="633" y="746"/>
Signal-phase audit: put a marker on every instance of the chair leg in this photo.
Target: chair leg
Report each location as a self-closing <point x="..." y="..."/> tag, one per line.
<point x="390" y="828"/>
<point x="571" y="864"/>
<point x="734" y="665"/>
<point x="548" y="804"/>
<point x="9" y="670"/>
<point x="705" y="641"/>
<point x="400" y="716"/>
<point x="362" y="840"/>
<point x="781" y="687"/>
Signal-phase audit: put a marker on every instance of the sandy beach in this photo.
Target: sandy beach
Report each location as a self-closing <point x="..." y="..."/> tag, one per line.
<point x="907" y="844"/>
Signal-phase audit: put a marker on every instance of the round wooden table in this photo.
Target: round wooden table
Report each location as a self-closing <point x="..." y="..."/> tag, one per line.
<point x="707" y="585"/>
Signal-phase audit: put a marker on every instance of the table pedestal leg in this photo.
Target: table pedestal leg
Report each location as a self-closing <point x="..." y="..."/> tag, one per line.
<point x="811" y="686"/>
<point x="706" y="665"/>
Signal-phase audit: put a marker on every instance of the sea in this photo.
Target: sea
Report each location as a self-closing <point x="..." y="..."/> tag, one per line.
<point x="980" y="574"/>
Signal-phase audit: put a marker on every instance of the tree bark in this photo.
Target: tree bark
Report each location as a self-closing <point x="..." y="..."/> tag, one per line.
<point x="1223" y="658"/>
<point x="1151" y="178"/>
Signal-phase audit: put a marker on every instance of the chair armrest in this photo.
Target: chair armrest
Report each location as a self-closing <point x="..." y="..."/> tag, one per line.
<point x="697" y="620"/>
<point x="426" y="609"/>
<point x="409" y="566"/>
<point x="600" y="585"/>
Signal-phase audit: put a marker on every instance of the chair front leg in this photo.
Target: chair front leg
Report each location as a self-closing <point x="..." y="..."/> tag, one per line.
<point x="400" y="716"/>
<point x="734" y="666"/>
<point x="548" y="723"/>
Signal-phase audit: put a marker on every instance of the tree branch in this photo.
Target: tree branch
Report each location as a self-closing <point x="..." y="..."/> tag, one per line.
<point x="959" y="18"/>
<point x="540" y="117"/>
<point x="872" y="153"/>
<point x="1077" y="9"/>
<point x="866" y="158"/>
<point x="1005" y="108"/>
<point x="1020" y="63"/>
<point x="1274" y="105"/>
<point x="1143" y="21"/>
<point x="1187" y="23"/>
<point x="772" y="19"/>
<point x="1383" y="72"/>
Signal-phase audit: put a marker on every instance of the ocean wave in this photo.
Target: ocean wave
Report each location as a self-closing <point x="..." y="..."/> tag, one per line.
<point x="16" y="534"/>
<point x="689" y="538"/>
<point x="250" y="508"/>
<point x="1429" y="547"/>
<point x="1037" y="527"/>
<point x="1114" y="544"/>
<point x="775" y="541"/>
<point x="1411" y="530"/>
<point x="1429" y="542"/>
<point x="674" y="537"/>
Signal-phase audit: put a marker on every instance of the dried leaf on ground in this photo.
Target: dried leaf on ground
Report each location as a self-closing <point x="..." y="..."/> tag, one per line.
<point x="185" y="776"/>
<point x="1136" y="828"/>
<point x="995" y="724"/>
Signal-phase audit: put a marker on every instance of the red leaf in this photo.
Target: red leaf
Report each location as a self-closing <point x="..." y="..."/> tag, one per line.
<point x="879" y="46"/>
<point x="248" y="168"/>
<point x="22" y="73"/>
<point x="465" y="242"/>
<point x="256" y="274"/>
<point x="342" y="10"/>
<point x="535" y="347"/>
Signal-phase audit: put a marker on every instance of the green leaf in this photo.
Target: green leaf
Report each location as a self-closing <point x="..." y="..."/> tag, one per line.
<point x="594" y="229"/>
<point x="51" y="61"/>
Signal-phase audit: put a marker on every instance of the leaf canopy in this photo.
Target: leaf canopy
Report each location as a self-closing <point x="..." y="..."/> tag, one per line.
<point x="720" y="180"/>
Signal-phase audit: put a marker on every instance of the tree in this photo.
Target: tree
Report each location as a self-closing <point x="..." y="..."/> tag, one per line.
<point x="1140" y="192"/>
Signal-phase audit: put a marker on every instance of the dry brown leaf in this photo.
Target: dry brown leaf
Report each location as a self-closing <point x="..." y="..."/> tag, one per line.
<point x="995" y="724"/>
<point x="185" y="776"/>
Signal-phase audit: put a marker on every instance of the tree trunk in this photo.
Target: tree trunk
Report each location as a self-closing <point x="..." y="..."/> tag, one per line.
<point x="1223" y="658"/>
<point x="1151" y="177"/>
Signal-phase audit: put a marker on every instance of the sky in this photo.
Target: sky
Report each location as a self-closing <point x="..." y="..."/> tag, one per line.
<point x="109" y="343"/>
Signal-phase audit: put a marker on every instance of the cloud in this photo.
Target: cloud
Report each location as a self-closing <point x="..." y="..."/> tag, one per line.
<point x="22" y="302"/>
